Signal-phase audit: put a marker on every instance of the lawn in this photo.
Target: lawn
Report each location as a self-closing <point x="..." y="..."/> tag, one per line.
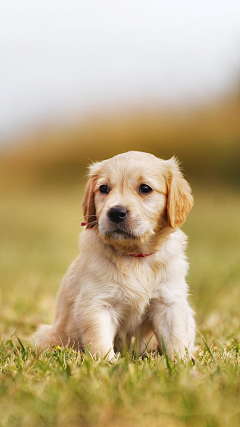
<point x="39" y="238"/>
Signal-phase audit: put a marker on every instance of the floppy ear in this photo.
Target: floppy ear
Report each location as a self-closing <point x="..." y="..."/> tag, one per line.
<point x="179" y="197"/>
<point x="88" y="204"/>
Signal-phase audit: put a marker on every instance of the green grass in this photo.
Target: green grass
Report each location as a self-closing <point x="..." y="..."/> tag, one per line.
<point x="39" y="234"/>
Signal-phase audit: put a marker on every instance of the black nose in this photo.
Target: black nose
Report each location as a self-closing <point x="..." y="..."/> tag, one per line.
<point x="117" y="213"/>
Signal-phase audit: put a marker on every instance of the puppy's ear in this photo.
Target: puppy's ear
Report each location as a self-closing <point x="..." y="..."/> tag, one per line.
<point x="88" y="204"/>
<point x="179" y="197"/>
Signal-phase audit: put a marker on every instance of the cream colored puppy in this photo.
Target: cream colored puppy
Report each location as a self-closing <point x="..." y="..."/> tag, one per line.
<point x="129" y="280"/>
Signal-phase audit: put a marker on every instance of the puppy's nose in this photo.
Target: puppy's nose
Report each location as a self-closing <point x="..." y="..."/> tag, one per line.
<point x="117" y="213"/>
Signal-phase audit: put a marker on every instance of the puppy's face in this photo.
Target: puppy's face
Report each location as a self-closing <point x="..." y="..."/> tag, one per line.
<point x="129" y="198"/>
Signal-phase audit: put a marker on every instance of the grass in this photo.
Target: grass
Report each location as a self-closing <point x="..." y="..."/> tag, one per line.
<point x="62" y="387"/>
<point x="39" y="229"/>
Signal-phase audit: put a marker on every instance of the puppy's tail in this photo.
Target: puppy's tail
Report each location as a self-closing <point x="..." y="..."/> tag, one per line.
<point x="45" y="337"/>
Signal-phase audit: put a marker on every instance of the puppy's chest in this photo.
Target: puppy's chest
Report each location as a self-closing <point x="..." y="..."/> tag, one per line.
<point x="135" y="287"/>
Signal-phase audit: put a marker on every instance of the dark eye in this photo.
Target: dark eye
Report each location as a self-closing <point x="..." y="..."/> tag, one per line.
<point x="104" y="189"/>
<point x="145" y="189"/>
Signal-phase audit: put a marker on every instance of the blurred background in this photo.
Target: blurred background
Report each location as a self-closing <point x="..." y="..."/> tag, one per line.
<point x="82" y="81"/>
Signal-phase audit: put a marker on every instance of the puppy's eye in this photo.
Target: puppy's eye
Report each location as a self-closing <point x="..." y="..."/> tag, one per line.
<point x="145" y="189"/>
<point x="104" y="189"/>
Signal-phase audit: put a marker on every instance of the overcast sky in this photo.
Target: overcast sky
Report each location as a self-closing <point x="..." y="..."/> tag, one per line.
<point x="63" y="56"/>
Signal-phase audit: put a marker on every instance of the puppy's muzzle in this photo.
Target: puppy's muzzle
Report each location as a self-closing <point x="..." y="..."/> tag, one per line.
<point x="117" y="214"/>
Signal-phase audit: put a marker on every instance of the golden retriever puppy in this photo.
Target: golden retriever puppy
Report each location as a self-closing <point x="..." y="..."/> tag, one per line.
<point x="129" y="279"/>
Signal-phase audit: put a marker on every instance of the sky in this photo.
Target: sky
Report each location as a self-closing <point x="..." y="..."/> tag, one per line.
<point x="66" y="57"/>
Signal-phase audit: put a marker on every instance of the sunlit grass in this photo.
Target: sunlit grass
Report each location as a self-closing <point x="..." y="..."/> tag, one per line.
<point x="61" y="387"/>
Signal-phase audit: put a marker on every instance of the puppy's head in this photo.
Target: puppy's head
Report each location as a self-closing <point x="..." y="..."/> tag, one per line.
<point x="132" y="197"/>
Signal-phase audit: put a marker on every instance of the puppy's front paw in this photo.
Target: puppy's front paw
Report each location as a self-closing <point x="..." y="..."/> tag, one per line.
<point x="110" y="356"/>
<point x="180" y="351"/>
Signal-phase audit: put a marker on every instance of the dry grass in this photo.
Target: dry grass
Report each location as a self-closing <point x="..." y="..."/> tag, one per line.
<point x="206" y="140"/>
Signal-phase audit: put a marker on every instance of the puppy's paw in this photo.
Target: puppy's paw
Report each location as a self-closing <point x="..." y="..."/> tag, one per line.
<point x="44" y="337"/>
<point x="180" y="351"/>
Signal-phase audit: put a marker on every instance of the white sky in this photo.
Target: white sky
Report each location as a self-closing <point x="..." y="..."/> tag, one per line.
<point x="61" y="56"/>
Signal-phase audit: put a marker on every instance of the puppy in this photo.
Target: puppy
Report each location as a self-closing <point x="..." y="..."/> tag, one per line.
<point x="129" y="280"/>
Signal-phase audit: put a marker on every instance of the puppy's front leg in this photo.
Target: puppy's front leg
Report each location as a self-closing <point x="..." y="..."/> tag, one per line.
<point x="98" y="330"/>
<point x="174" y="324"/>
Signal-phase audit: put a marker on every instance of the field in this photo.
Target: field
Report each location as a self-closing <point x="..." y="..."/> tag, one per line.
<point x="41" y="185"/>
<point x="39" y="238"/>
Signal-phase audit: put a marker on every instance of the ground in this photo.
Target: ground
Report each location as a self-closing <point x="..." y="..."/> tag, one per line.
<point x="39" y="230"/>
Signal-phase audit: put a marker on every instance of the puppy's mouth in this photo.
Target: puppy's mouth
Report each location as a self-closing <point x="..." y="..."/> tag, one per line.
<point x="119" y="233"/>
